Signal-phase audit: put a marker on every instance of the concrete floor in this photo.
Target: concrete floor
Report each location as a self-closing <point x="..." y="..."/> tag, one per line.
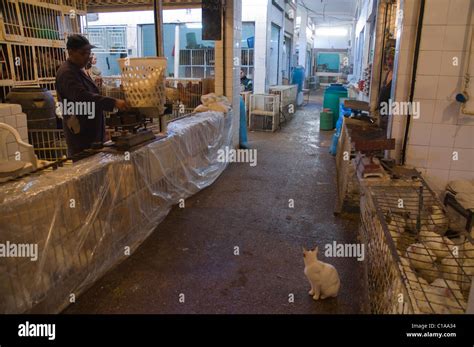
<point x="192" y="251"/>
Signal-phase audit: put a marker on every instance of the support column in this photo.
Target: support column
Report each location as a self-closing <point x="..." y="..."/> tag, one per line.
<point x="302" y="42"/>
<point x="227" y="68"/>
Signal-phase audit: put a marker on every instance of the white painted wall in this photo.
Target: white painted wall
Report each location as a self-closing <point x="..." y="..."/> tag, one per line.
<point x="302" y="22"/>
<point x="277" y="17"/>
<point x="257" y="11"/>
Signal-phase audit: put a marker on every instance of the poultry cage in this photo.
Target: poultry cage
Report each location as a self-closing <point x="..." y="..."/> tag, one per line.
<point x="264" y="114"/>
<point x="287" y="96"/>
<point x="185" y="94"/>
<point x="48" y="144"/>
<point x="416" y="264"/>
<point x="32" y="40"/>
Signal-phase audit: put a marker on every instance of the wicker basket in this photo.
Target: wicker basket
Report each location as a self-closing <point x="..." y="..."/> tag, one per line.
<point x="143" y="81"/>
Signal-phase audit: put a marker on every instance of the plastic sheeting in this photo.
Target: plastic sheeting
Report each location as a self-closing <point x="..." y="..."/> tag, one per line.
<point x="85" y="217"/>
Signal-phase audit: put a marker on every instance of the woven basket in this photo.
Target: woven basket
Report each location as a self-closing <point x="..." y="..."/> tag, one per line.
<point x="143" y="81"/>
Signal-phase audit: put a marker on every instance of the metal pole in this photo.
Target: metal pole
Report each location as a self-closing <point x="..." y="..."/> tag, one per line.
<point x="158" y="13"/>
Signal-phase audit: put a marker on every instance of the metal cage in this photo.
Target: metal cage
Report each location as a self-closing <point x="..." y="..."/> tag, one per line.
<point x="412" y="268"/>
<point x="49" y="144"/>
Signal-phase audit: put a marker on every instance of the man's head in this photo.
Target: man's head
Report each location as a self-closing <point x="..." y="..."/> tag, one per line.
<point x="79" y="50"/>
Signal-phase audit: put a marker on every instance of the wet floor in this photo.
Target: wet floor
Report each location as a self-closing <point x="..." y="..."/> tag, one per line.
<point x="236" y="246"/>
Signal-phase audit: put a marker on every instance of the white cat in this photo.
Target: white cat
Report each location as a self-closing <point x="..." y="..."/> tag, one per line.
<point x="323" y="277"/>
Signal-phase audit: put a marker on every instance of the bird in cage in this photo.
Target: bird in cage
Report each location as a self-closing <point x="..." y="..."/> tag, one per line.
<point x="439" y="245"/>
<point x="422" y="259"/>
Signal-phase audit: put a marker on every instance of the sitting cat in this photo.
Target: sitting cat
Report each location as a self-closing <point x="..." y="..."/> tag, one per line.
<point x="323" y="277"/>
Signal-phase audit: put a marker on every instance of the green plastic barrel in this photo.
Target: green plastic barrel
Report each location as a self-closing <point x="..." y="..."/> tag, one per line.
<point x="331" y="99"/>
<point x="326" y="121"/>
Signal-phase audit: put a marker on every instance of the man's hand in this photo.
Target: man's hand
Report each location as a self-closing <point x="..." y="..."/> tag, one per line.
<point x="121" y="105"/>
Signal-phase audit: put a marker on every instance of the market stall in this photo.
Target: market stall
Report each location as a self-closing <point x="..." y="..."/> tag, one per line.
<point x="87" y="217"/>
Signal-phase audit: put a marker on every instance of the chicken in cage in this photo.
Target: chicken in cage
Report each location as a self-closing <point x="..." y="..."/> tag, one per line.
<point x="185" y="92"/>
<point x="436" y="263"/>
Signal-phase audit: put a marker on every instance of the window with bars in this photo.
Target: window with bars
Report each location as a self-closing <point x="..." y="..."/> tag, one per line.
<point x="108" y="39"/>
<point x="247" y="47"/>
<point x="111" y="44"/>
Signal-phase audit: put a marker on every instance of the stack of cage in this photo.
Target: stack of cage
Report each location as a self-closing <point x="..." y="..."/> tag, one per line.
<point x="264" y="113"/>
<point x="32" y="40"/>
<point x="416" y="264"/>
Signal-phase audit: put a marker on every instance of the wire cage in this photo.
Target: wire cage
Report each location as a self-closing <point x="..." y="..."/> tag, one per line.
<point x="186" y="91"/>
<point x="10" y="20"/>
<point x="23" y="63"/>
<point x="41" y="22"/>
<point x="415" y="263"/>
<point x="287" y="96"/>
<point x="49" y="144"/>
<point x="6" y="78"/>
<point x="72" y="24"/>
<point x="48" y="60"/>
<point x="179" y="111"/>
<point x="264" y="114"/>
<point x="28" y="65"/>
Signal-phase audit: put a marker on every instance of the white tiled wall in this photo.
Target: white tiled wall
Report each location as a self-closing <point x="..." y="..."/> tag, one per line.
<point x="442" y="132"/>
<point x="11" y="114"/>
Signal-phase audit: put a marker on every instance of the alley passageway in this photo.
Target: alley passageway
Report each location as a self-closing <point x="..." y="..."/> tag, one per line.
<point x="192" y="250"/>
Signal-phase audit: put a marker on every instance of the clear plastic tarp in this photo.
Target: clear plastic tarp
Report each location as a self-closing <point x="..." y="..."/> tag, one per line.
<point x="87" y="217"/>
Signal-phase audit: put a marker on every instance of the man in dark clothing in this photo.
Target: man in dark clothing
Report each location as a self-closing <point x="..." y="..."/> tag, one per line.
<point x="245" y="81"/>
<point x="80" y="100"/>
<point x="386" y="88"/>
